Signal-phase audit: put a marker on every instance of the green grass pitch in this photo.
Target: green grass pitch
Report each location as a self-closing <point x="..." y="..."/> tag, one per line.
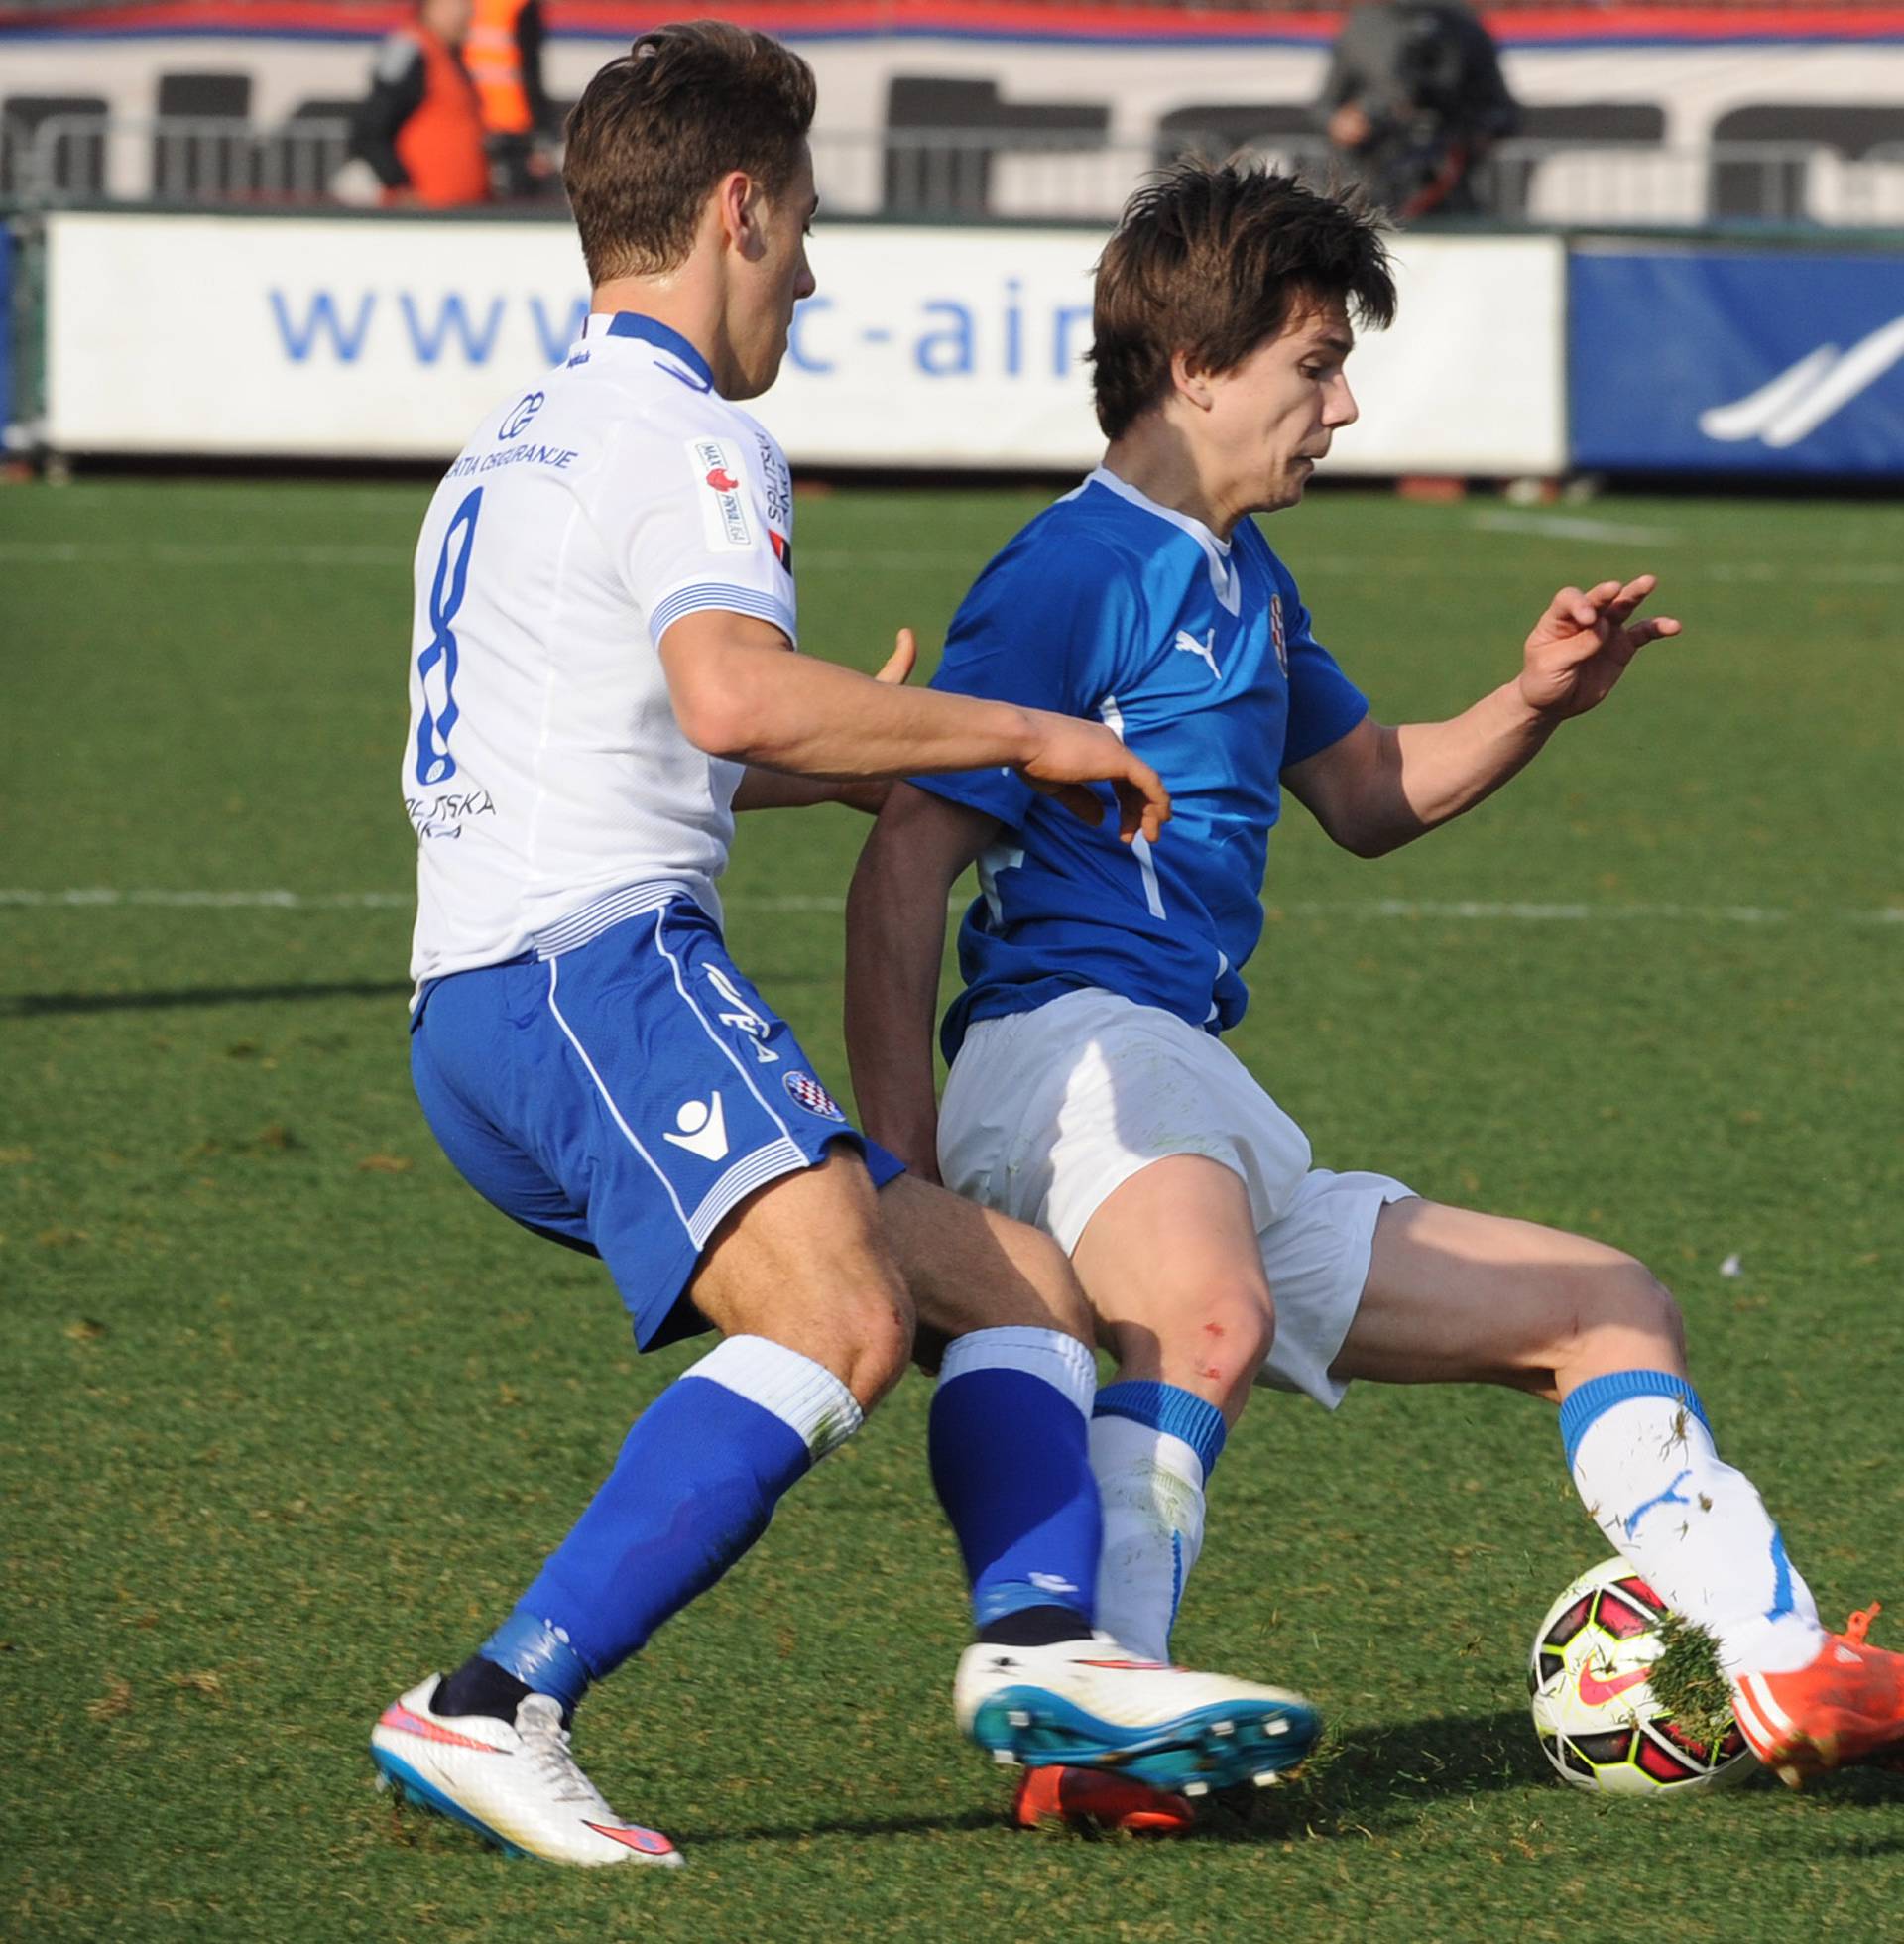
<point x="289" y="1417"/>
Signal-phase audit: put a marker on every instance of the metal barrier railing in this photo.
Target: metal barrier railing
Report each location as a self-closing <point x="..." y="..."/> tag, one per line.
<point x="172" y="159"/>
<point x="176" y="162"/>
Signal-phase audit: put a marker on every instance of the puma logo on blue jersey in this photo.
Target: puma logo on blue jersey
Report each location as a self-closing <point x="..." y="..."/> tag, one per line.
<point x="1205" y="649"/>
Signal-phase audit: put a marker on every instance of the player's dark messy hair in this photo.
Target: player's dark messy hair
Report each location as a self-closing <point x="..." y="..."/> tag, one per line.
<point x="1213" y="260"/>
<point x="657" y="128"/>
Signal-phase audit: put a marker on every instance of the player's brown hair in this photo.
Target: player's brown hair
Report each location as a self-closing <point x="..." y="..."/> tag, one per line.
<point x="659" y="127"/>
<point x="1214" y="262"/>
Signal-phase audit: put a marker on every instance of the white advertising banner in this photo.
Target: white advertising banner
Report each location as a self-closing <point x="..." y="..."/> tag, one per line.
<point x="354" y="338"/>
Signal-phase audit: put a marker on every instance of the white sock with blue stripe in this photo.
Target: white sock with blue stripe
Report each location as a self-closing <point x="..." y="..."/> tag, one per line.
<point x="1643" y="1460"/>
<point x="1153" y="1450"/>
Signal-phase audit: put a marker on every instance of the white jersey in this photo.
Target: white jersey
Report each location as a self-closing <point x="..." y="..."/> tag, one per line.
<point x="544" y="768"/>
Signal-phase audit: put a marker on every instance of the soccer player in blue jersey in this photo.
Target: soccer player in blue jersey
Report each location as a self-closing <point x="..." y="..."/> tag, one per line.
<point x="601" y="675"/>
<point x="1089" y="1089"/>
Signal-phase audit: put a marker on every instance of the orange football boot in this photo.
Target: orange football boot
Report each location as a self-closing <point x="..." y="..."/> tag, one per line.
<point x="1846" y="1705"/>
<point x="1100" y="1798"/>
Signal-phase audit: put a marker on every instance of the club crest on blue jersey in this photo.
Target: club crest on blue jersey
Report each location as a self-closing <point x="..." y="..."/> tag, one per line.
<point x="808" y="1093"/>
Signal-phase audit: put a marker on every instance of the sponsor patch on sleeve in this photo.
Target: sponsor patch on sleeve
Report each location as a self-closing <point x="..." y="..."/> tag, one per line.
<point x="720" y="485"/>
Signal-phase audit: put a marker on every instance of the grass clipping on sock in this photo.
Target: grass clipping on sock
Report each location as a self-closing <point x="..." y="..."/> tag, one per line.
<point x="1687" y="1682"/>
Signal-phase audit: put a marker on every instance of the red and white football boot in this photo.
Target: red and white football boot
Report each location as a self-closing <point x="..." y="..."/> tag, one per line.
<point x="1846" y="1705"/>
<point x="1098" y="1799"/>
<point x="515" y="1784"/>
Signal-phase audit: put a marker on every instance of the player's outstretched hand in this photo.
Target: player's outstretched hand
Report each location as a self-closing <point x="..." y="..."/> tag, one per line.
<point x="1581" y="645"/>
<point x="1074" y="753"/>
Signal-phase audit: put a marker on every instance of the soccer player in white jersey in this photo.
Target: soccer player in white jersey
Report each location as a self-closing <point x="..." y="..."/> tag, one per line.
<point x="600" y="676"/>
<point x="1089" y="1090"/>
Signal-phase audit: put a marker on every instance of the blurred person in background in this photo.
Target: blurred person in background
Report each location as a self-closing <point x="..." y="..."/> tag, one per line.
<point x="417" y="140"/>
<point x="1414" y="98"/>
<point x="503" y="56"/>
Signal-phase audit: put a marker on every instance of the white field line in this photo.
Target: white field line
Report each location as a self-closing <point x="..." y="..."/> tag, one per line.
<point x="1459" y="910"/>
<point x="195" y="553"/>
<point x="199" y="554"/>
<point x="169" y="553"/>
<point x="1570" y="526"/>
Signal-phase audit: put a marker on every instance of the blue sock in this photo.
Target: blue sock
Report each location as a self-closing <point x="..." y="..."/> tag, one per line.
<point x="694" y="1486"/>
<point x="1012" y="1465"/>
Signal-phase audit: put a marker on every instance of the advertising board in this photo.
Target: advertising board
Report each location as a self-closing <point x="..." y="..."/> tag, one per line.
<point x="1737" y="361"/>
<point x="926" y="347"/>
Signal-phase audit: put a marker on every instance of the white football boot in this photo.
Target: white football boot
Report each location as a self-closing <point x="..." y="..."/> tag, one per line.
<point x="1090" y="1704"/>
<point x="517" y="1786"/>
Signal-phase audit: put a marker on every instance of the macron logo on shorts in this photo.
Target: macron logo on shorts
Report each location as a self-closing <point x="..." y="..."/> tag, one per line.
<point x="703" y="1128"/>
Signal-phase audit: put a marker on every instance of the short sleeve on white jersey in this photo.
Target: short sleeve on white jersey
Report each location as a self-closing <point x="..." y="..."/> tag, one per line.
<point x="695" y="505"/>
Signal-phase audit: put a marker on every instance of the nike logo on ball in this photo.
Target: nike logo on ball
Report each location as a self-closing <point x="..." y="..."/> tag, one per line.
<point x="1595" y="1692"/>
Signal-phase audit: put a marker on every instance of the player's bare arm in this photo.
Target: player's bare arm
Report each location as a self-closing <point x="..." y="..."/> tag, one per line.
<point x="1383" y="785"/>
<point x="775" y="789"/>
<point x="739" y="695"/>
<point x="894" y="943"/>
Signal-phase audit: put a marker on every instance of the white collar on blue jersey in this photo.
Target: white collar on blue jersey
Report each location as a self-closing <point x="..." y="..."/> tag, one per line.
<point x="1223" y="570"/>
<point x="650" y="331"/>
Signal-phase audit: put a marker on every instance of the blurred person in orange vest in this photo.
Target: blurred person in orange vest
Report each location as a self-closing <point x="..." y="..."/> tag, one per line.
<point x="504" y="55"/>
<point x="417" y="139"/>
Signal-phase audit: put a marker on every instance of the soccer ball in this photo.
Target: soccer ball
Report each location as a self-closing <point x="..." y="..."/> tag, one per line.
<point x="1596" y="1718"/>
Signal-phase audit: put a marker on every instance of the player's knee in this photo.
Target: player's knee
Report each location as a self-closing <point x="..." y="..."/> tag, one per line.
<point x="1216" y="1345"/>
<point x="874" y="1343"/>
<point x="1648" y="1309"/>
<point x="1625" y="1315"/>
<point x="1043" y="1292"/>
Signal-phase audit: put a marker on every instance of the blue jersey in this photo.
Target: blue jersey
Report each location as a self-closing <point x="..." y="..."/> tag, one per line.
<point x="1199" y="655"/>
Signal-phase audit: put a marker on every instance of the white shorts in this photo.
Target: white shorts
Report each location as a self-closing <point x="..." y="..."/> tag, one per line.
<point x="1048" y="1112"/>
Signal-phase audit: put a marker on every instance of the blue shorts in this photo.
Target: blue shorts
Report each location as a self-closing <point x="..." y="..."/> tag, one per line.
<point x="622" y="1094"/>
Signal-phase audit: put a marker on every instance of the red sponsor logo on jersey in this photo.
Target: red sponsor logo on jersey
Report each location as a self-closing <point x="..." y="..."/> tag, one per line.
<point x="722" y="480"/>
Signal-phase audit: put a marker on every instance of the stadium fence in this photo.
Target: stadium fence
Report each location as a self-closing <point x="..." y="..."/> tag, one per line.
<point x="924" y="174"/>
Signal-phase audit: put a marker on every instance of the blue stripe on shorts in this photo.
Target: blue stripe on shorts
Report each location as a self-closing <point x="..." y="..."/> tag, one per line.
<point x="622" y="1096"/>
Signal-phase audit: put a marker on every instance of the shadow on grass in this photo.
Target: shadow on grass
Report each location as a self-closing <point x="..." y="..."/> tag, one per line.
<point x="43" y="1005"/>
<point x="690" y="1839"/>
<point x="1364" y="1781"/>
<point x="1368" y="1778"/>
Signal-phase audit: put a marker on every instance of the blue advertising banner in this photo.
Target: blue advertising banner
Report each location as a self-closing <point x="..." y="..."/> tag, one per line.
<point x="1735" y="361"/>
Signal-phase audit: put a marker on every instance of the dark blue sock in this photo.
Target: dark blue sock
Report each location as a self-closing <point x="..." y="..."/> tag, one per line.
<point x="1012" y="1465"/>
<point x="694" y="1486"/>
